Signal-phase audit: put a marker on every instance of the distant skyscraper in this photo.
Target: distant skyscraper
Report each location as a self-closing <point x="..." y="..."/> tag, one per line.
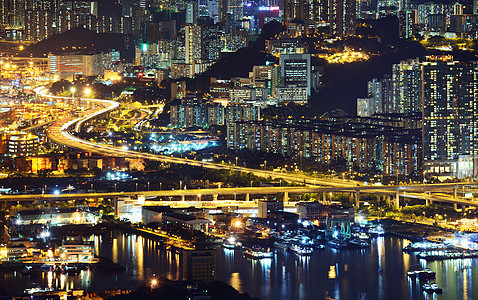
<point x="192" y="10"/>
<point x="407" y="22"/>
<point x="365" y="107"/>
<point x="193" y="43"/>
<point x="407" y="86"/>
<point x="342" y="17"/>
<point x="450" y="98"/>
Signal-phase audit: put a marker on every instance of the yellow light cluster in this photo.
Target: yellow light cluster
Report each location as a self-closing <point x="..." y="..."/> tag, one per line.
<point x="346" y="57"/>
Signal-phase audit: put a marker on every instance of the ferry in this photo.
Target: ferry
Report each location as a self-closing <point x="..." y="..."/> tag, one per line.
<point x="424" y="246"/>
<point x="258" y="252"/>
<point x="442" y="255"/>
<point x="301" y="250"/>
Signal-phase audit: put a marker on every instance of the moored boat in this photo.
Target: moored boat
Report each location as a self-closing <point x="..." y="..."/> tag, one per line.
<point x="258" y="252"/>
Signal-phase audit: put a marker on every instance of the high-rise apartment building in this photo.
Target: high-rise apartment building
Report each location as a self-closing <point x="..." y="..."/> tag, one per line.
<point x="342" y="17"/>
<point x="407" y="86"/>
<point x="407" y="21"/>
<point x="450" y="129"/>
<point x="193" y="43"/>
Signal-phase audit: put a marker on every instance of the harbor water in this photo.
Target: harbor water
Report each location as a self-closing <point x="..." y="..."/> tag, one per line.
<point x="375" y="273"/>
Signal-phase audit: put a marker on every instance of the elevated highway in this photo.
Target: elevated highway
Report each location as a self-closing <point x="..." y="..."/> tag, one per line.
<point x="60" y="132"/>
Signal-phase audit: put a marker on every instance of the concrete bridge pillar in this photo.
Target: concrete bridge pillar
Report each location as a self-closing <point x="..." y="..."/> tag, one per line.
<point x="324" y="197"/>
<point x="397" y="199"/>
<point x="455" y="206"/>
<point x="357" y="199"/>
<point x="387" y="199"/>
<point x="455" y="193"/>
<point x="214" y="197"/>
<point x="183" y="198"/>
<point x="286" y="197"/>
<point x="247" y="197"/>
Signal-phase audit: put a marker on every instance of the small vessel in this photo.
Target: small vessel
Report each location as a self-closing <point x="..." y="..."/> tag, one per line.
<point x="338" y="244"/>
<point x="281" y="245"/>
<point x="231" y="243"/>
<point x="301" y="249"/>
<point x="436" y="289"/>
<point x="427" y="288"/>
<point x="258" y="252"/>
<point x="377" y="231"/>
<point x="359" y="243"/>
<point x="424" y="246"/>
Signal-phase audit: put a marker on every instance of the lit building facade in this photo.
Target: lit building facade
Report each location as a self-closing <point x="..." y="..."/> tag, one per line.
<point x="450" y="129"/>
<point x="342" y="17"/>
<point x="407" y="86"/>
<point x="296" y="72"/>
<point x="390" y="144"/>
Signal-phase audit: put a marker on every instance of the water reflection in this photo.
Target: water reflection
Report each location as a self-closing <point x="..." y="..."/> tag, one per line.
<point x="376" y="273"/>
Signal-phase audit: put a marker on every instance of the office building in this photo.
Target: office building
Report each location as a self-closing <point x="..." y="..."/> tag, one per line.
<point x="266" y="207"/>
<point x="199" y="265"/>
<point x="296" y="72"/>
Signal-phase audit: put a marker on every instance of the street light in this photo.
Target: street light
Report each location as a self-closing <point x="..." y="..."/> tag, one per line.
<point x="236" y="160"/>
<point x="115" y="187"/>
<point x="72" y="90"/>
<point x="160" y="184"/>
<point x="180" y="184"/>
<point x="87" y="92"/>
<point x="136" y="187"/>
<point x="148" y="186"/>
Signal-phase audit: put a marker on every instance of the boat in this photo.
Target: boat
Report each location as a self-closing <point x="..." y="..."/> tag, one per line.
<point x="426" y="274"/>
<point x="427" y="288"/>
<point x="301" y="249"/>
<point x="442" y="255"/>
<point x="281" y="245"/>
<point x="377" y="231"/>
<point x="258" y="252"/>
<point x="436" y="289"/>
<point x="359" y="243"/>
<point x="424" y="246"/>
<point x="338" y="244"/>
<point x="231" y="243"/>
<point x="319" y="246"/>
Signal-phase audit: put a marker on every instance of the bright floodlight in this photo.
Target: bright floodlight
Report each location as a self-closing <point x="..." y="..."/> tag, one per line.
<point x="154" y="282"/>
<point x="87" y="91"/>
<point x="72" y="89"/>
<point x="56" y="192"/>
